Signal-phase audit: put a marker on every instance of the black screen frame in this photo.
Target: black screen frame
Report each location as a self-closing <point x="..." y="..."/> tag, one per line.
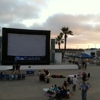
<point x="9" y="60"/>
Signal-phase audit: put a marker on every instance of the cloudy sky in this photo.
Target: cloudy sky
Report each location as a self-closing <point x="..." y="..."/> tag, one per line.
<point x="81" y="16"/>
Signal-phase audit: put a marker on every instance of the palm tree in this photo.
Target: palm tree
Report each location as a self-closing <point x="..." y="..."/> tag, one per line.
<point x="59" y="39"/>
<point x="66" y="32"/>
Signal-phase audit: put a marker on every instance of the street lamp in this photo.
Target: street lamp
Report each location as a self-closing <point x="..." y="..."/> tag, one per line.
<point x="77" y="46"/>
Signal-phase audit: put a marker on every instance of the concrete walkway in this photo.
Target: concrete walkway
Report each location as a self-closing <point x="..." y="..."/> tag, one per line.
<point x="32" y="89"/>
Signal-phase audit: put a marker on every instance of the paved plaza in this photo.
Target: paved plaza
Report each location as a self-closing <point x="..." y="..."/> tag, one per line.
<point x="32" y="89"/>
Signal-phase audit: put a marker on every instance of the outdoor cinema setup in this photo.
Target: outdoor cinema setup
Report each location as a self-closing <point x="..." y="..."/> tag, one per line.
<point x="27" y="47"/>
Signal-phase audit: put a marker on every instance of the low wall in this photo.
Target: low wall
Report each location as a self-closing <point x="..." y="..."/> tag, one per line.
<point x="25" y="67"/>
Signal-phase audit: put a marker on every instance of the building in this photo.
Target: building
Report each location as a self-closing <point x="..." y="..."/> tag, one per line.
<point x="0" y="49"/>
<point x="94" y="52"/>
<point x="66" y="55"/>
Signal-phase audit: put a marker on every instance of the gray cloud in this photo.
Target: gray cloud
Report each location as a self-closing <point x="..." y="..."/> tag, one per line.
<point x="17" y="25"/>
<point x="84" y="32"/>
<point x="14" y="25"/>
<point x="14" y="11"/>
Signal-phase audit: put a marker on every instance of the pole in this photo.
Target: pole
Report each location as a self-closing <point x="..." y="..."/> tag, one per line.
<point x="88" y="46"/>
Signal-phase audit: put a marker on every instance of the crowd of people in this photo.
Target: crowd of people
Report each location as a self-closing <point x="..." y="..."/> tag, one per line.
<point x="64" y="90"/>
<point x="15" y="71"/>
<point x="83" y="64"/>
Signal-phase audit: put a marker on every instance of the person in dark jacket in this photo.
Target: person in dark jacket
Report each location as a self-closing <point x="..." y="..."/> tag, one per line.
<point x="13" y="68"/>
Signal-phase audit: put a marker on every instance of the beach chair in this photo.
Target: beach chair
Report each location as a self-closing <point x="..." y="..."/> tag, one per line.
<point x="7" y="77"/>
<point x="19" y="76"/>
<point x="23" y="76"/>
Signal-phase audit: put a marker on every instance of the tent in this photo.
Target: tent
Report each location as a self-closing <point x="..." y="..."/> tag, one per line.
<point x="84" y="55"/>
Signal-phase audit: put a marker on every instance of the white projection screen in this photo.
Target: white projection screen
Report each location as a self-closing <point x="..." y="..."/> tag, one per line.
<point x="26" y="45"/>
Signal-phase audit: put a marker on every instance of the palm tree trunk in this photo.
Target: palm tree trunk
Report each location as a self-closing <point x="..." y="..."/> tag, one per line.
<point x="59" y="45"/>
<point x="65" y="42"/>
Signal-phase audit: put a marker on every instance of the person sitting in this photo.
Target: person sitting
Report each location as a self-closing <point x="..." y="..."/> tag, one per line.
<point x="58" y="93"/>
<point x="51" y="90"/>
<point x="42" y="77"/>
<point x="55" y="88"/>
<point x="12" y="76"/>
<point x="4" y="73"/>
<point x="63" y="87"/>
<point x="65" y="84"/>
<point x="1" y="75"/>
<point x="63" y="91"/>
<point x="68" y="94"/>
<point x="69" y="80"/>
<point x="39" y="73"/>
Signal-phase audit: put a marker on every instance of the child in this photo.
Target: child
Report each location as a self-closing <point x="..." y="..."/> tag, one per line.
<point x="39" y="73"/>
<point x="55" y="88"/>
<point x="51" y="90"/>
<point x="68" y="92"/>
<point x="12" y="76"/>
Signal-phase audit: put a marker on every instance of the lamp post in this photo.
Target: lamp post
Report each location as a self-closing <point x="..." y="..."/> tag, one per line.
<point x="88" y="46"/>
<point x="77" y="46"/>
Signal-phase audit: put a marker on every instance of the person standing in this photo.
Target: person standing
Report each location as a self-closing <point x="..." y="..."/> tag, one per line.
<point x="78" y="64"/>
<point x="13" y="68"/>
<point x="85" y="65"/>
<point x="19" y="68"/>
<point x="74" y="82"/>
<point x="16" y="68"/>
<point x="84" y="88"/>
<point x="84" y="76"/>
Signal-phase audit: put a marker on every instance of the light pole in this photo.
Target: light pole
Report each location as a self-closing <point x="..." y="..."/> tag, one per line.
<point x="95" y="46"/>
<point x="88" y="46"/>
<point x="77" y="46"/>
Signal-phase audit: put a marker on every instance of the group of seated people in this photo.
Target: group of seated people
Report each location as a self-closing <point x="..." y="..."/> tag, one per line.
<point x="59" y="91"/>
<point x="5" y="75"/>
<point x="2" y="74"/>
<point x="44" y="76"/>
<point x="84" y="75"/>
<point x="81" y="75"/>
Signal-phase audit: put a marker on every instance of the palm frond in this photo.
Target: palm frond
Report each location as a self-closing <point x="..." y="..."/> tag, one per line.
<point x="70" y="32"/>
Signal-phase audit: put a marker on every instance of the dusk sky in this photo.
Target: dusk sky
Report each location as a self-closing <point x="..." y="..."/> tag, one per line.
<point x="81" y="16"/>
